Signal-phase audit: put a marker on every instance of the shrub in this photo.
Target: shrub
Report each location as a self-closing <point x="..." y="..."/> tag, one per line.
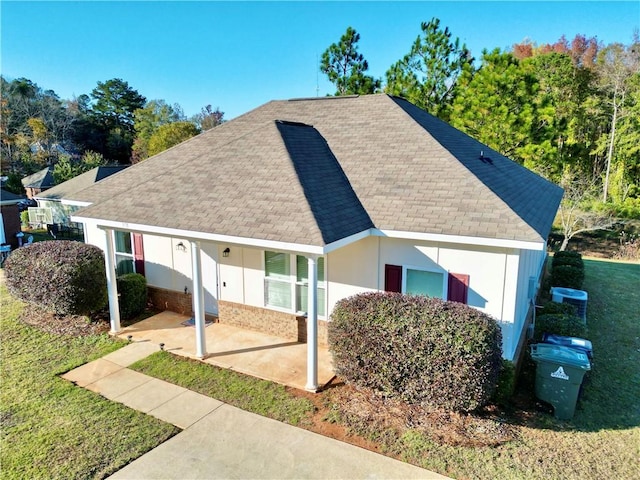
<point x="24" y="218"/>
<point x="560" y="324"/>
<point x="571" y="260"/>
<point x="132" y="299"/>
<point x="567" y="276"/>
<point x="418" y="349"/>
<point x="61" y="276"/>
<point x="506" y="383"/>
<point x="558" y="308"/>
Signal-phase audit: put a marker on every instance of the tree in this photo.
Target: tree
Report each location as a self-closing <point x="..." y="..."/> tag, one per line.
<point x="345" y="67"/>
<point x="114" y="107"/>
<point x="427" y="75"/>
<point x="499" y="105"/>
<point x="65" y="170"/>
<point x="166" y="136"/>
<point x="617" y="65"/>
<point x="147" y="120"/>
<point x="209" y="118"/>
<point x="575" y="215"/>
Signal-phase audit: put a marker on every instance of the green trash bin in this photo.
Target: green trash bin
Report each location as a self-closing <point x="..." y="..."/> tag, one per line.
<point x="559" y="374"/>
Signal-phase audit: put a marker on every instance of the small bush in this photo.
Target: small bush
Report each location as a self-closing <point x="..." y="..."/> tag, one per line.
<point x="63" y="276"/>
<point x="567" y="276"/>
<point x="558" y="308"/>
<point x="567" y="254"/>
<point x="560" y="324"/>
<point x="571" y="260"/>
<point x="506" y="383"/>
<point x="24" y="218"/>
<point x="132" y="299"/>
<point x="417" y="349"/>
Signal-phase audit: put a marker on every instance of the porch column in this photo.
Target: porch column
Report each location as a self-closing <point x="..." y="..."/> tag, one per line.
<point x="112" y="286"/>
<point x="198" y="300"/>
<point x="312" y="326"/>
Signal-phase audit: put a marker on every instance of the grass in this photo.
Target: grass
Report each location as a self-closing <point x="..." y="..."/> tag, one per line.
<point x="51" y="428"/>
<point x="245" y="392"/>
<point x="56" y="430"/>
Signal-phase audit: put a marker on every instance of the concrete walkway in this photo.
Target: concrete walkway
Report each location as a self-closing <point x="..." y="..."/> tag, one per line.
<point x="221" y="441"/>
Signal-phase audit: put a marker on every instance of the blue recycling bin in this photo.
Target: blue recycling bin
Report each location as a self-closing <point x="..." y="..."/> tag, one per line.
<point x="576" y="343"/>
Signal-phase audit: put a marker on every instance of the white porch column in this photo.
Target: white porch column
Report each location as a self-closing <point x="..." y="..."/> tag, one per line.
<point x="312" y="326"/>
<point x="112" y="286"/>
<point x="198" y="300"/>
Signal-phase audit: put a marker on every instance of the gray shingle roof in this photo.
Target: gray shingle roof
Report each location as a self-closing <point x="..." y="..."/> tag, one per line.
<point x="371" y="160"/>
<point x="41" y="179"/>
<point x="79" y="183"/>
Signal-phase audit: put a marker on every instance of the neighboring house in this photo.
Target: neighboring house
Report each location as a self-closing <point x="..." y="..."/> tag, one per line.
<point x="38" y="182"/>
<point x="271" y="218"/>
<point x="9" y="218"/>
<point x="54" y="198"/>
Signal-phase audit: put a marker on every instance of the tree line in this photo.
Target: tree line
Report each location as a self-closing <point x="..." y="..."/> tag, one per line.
<point x="569" y="110"/>
<point x="114" y="124"/>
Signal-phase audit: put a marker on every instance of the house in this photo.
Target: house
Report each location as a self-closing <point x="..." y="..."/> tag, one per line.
<point x="271" y="218"/>
<point x="9" y="218"/>
<point x="38" y="182"/>
<point x="54" y="198"/>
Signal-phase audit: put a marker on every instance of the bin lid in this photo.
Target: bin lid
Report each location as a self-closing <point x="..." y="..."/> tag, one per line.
<point x="561" y="355"/>
<point x="575" y="342"/>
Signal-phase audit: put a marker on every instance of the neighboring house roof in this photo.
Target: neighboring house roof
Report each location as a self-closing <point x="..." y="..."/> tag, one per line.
<point x="79" y="183"/>
<point x="375" y="159"/>
<point x="8" y="198"/>
<point x="42" y="179"/>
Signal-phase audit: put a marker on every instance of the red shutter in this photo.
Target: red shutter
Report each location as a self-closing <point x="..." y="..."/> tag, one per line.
<point x="458" y="287"/>
<point x="138" y="253"/>
<point x="393" y="278"/>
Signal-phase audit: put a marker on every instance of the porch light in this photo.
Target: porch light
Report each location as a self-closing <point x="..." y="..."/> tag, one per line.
<point x="226" y="252"/>
<point x="181" y="247"/>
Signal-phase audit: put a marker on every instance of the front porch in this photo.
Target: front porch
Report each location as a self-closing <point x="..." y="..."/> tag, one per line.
<point x="253" y="353"/>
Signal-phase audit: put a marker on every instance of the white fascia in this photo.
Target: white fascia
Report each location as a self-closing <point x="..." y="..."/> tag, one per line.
<point x="343" y="242"/>
<point x="192" y="235"/>
<point x="76" y="203"/>
<point x="460" y="239"/>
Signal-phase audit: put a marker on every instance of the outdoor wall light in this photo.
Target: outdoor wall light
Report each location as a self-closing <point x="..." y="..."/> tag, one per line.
<point x="181" y="247"/>
<point x="226" y="252"/>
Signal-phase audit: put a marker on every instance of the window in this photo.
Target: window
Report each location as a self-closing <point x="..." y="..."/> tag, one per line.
<point x="277" y="280"/>
<point x="287" y="282"/>
<point x="424" y="282"/>
<point x="124" y="253"/>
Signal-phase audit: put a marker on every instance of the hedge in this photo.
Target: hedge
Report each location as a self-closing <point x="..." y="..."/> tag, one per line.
<point x="560" y="324"/>
<point x="418" y="349"/>
<point x="559" y="308"/>
<point x="567" y="276"/>
<point x="573" y="259"/>
<point x="62" y="276"/>
<point x="132" y="295"/>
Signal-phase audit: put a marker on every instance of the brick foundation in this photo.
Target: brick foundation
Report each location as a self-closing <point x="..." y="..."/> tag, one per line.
<point x="164" y="299"/>
<point x="272" y="322"/>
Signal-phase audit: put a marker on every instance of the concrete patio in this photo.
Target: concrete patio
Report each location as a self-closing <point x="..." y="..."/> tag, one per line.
<point x="252" y="353"/>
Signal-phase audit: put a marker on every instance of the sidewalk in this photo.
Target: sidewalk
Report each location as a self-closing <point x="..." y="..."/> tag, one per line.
<point x="221" y="441"/>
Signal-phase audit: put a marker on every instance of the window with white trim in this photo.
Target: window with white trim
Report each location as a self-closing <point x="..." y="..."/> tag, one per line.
<point x="123" y="252"/>
<point x="418" y="281"/>
<point x="286" y="284"/>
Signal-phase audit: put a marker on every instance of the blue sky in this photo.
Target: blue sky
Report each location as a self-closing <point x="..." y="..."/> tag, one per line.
<point x="238" y="55"/>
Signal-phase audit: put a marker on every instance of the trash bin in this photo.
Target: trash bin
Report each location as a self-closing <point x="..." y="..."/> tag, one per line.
<point x="559" y="374"/>
<point x="576" y="343"/>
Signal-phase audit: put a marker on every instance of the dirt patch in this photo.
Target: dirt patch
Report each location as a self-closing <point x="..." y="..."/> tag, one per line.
<point x="362" y="414"/>
<point x="71" y="325"/>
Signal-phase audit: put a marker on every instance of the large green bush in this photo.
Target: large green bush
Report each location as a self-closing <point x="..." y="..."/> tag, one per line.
<point x="558" y="308"/>
<point x="573" y="259"/>
<point x="567" y="276"/>
<point x="132" y="294"/>
<point x="560" y="324"/>
<point x="418" y="349"/>
<point x="60" y="276"/>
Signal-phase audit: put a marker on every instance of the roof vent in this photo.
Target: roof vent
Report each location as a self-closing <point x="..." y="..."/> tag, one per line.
<point x="484" y="159"/>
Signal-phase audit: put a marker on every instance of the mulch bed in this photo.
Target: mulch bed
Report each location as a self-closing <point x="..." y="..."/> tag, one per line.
<point x="71" y="325"/>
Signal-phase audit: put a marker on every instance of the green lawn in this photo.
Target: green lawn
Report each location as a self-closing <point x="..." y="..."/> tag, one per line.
<point x="56" y="430"/>
<point x="51" y="428"/>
